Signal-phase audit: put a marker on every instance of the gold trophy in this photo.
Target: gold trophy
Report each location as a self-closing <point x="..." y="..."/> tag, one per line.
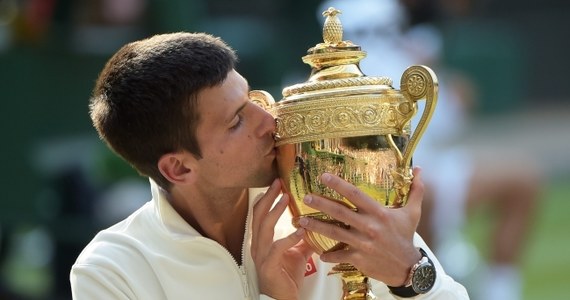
<point x="343" y="122"/>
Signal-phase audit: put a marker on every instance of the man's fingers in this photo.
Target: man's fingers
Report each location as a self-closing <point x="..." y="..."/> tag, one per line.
<point x="264" y="204"/>
<point x="265" y="231"/>
<point x="294" y="239"/>
<point x="357" y="197"/>
<point x="260" y="212"/>
<point x="331" y="231"/>
<point x="335" y="209"/>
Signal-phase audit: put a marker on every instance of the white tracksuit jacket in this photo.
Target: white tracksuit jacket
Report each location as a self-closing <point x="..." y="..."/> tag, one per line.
<point x="154" y="254"/>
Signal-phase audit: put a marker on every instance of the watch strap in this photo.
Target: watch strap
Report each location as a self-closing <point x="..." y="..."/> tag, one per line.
<point x="403" y="291"/>
<point x="407" y="290"/>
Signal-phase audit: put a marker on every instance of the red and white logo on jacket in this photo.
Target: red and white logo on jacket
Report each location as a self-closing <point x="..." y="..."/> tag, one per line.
<point x="310" y="268"/>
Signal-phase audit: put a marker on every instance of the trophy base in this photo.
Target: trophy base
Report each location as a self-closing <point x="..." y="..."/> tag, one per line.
<point x="355" y="285"/>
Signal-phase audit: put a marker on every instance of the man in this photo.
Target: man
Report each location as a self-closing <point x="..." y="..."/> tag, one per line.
<point x="174" y="107"/>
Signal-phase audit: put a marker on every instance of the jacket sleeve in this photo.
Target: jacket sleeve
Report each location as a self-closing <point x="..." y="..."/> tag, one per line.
<point x="93" y="282"/>
<point x="444" y="288"/>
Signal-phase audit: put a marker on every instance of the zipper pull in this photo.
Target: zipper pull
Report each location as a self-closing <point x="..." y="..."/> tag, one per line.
<point x="244" y="282"/>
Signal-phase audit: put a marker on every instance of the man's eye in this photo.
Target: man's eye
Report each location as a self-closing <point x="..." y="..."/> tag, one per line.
<point x="238" y="123"/>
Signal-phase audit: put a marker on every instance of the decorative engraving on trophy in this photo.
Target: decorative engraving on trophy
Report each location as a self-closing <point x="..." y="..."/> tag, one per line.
<point x="416" y="84"/>
<point x="343" y="117"/>
<point x="335" y="83"/>
<point x="350" y="116"/>
<point x="370" y="115"/>
<point x="316" y="121"/>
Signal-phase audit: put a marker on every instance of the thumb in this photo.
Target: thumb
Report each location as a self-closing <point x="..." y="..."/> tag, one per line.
<point x="416" y="195"/>
<point x="305" y="249"/>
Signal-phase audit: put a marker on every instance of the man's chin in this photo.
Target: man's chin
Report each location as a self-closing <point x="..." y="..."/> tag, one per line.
<point x="267" y="179"/>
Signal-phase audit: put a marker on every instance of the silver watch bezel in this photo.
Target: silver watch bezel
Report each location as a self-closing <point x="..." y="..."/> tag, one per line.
<point x="424" y="276"/>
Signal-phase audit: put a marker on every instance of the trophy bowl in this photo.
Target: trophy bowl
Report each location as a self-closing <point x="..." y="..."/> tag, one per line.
<point x="351" y="125"/>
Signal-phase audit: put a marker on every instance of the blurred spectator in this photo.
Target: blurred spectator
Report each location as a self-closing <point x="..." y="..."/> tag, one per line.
<point x="396" y="35"/>
<point x="6" y="292"/>
<point x="32" y="19"/>
<point x="85" y="190"/>
<point x="102" y="26"/>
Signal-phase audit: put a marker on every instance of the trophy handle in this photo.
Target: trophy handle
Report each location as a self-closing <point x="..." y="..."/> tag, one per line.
<point x="418" y="82"/>
<point x="262" y="98"/>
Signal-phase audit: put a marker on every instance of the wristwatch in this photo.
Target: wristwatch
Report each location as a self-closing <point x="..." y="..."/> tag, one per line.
<point x="420" y="280"/>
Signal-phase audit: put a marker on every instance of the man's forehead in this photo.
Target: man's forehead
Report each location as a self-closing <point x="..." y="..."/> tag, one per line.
<point x="219" y="104"/>
<point x="238" y="76"/>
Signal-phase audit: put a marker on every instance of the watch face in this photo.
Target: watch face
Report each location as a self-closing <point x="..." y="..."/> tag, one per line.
<point x="423" y="278"/>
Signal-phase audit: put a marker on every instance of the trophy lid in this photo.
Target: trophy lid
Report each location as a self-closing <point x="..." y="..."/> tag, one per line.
<point x="335" y="66"/>
<point x="338" y="100"/>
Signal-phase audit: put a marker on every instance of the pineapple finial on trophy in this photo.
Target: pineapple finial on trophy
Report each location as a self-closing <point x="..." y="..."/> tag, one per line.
<point x="332" y="29"/>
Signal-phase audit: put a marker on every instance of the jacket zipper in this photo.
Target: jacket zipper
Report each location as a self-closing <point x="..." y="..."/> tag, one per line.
<point x="242" y="270"/>
<point x="243" y="258"/>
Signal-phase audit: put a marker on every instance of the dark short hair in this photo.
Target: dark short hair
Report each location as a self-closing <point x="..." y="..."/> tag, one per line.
<point x="144" y="103"/>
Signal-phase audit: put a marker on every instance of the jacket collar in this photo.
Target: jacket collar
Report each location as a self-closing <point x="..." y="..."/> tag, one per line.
<point x="172" y="221"/>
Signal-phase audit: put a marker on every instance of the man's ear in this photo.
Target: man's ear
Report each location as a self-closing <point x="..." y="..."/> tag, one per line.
<point x="178" y="168"/>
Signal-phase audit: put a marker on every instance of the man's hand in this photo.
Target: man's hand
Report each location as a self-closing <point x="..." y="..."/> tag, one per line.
<point x="280" y="264"/>
<point x="379" y="240"/>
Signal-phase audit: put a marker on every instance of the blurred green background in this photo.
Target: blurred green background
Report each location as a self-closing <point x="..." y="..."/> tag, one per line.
<point x="55" y="171"/>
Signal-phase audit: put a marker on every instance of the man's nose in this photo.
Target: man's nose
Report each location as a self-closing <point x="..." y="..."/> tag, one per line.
<point x="267" y="123"/>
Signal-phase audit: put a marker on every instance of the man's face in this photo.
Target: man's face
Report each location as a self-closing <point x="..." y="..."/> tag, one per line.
<point x="235" y="137"/>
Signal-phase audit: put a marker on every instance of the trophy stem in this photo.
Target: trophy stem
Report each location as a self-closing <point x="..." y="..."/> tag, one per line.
<point x="354" y="284"/>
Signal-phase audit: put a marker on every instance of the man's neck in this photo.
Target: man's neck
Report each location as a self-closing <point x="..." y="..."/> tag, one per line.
<point x="220" y="216"/>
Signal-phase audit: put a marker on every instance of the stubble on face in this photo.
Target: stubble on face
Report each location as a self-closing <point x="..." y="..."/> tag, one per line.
<point x="242" y="157"/>
<point x="266" y="178"/>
